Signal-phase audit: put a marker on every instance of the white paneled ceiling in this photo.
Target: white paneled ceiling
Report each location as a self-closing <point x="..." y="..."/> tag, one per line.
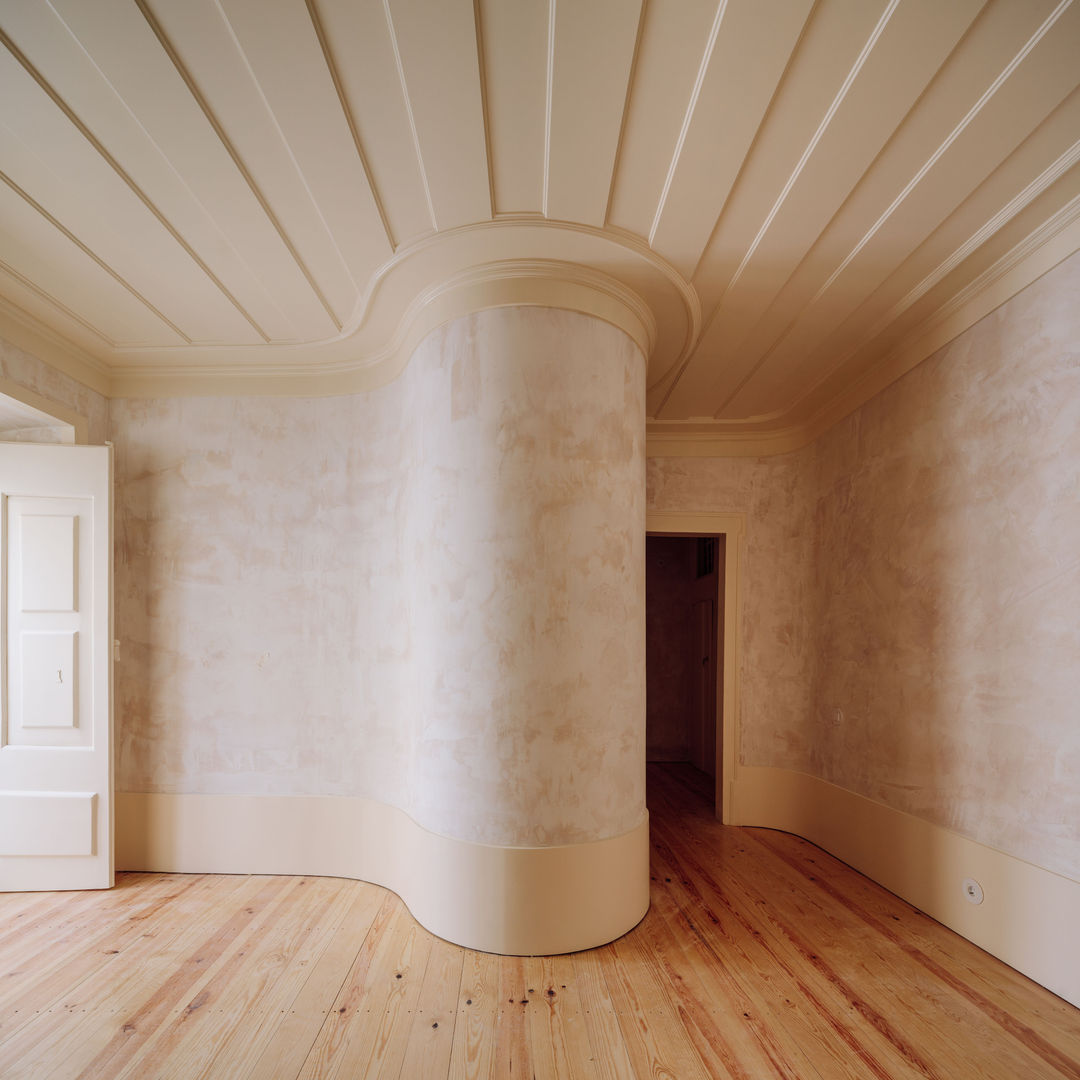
<point x="797" y="200"/>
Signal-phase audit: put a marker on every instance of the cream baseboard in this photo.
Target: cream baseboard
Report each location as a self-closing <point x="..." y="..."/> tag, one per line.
<point x="513" y="900"/>
<point x="1028" y="915"/>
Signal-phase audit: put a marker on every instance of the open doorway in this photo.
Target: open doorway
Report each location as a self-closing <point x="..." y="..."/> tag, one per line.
<point x="684" y="654"/>
<point x="728" y="530"/>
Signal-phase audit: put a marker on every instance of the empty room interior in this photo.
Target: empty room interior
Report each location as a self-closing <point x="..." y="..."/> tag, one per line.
<point x="540" y="539"/>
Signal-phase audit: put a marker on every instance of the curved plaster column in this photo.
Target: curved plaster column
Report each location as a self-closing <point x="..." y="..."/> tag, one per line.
<point x="460" y="715"/>
<point x="527" y="528"/>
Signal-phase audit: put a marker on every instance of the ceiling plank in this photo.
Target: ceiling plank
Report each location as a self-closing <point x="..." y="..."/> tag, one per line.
<point x="440" y="71"/>
<point x="514" y="39"/>
<point x="836" y="110"/>
<point x="281" y="46"/>
<point x="895" y="271"/>
<point x="47" y="261"/>
<point x="144" y="116"/>
<point x="672" y="36"/>
<point x="753" y="46"/>
<point x="591" y="52"/>
<point x="41" y="150"/>
<point x="205" y="50"/>
<point x="358" y="39"/>
<point x="999" y="85"/>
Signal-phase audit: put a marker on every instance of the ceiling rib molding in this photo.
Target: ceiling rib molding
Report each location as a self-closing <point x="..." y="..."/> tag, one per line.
<point x="688" y="116"/>
<point x="943" y="148"/>
<point x="234" y="154"/>
<point x="993" y="225"/>
<point x="1037" y="254"/>
<point x="137" y="191"/>
<point x="635" y="58"/>
<point x="90" y="254"/>
<point x="350" y="119"/>
<point x="793" y="177"/>
<point x="409" y="113"/>
<point x="38" y="291"/>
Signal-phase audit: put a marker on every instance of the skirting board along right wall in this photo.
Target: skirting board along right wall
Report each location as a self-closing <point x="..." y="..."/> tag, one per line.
<point x="910" y="637"/>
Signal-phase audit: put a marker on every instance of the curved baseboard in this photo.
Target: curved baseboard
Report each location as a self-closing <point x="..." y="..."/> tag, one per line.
<point x="523" y="901"/>
<point x="1028" y="914"/>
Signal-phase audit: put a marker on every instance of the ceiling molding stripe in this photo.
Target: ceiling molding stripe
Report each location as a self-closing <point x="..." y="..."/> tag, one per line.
<point x="350" y="119"/>
<point x="48" y="298"/>
<point x="1013" y="207"/>
<point x="230" y="149"/>
<point x="409" y="113"/>
<point x="616" y="161"/>
<point x="736" y="180"/>
<point x="118" y="278"/>
<point x="485" y="120"/>
<point x="976" y="240"/>
<point x="137" y="191"/>
<point x="948" y="141"/>
<point x="1046" y="232"/>
<point x="811" y="146"/>
<point x="549" y="89"/>
<point x="688" y="116"/>
<point x="316" y="206"/>
<point x="1038" y="253"/>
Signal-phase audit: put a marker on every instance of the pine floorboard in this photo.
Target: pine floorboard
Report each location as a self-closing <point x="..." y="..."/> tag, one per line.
<point x="761" y="956"/>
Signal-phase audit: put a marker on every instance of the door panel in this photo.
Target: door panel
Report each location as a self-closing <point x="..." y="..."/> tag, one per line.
<point x="56" y="725"/>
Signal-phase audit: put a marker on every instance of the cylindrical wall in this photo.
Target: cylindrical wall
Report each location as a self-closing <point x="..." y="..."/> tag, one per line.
<point x="527" y="536"/>
<point x="428" y="597"/>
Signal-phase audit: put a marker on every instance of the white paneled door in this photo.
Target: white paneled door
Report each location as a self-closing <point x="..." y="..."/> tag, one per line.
<point x="56" y="824"/>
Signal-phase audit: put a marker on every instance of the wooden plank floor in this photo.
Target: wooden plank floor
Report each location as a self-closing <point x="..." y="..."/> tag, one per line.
<point x="761" y="957"/>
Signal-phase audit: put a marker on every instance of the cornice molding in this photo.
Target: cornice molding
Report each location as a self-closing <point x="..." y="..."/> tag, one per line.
<point x="574" y="267"/>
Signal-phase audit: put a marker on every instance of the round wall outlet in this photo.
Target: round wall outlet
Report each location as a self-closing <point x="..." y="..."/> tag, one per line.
<point x="973" y="891"/>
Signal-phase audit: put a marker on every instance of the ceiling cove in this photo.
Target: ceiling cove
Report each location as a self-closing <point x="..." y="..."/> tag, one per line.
<point x="787" y="205"/>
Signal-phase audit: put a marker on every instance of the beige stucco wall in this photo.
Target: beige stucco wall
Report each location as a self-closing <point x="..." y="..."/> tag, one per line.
<point x="917" y="568"/>
<point x="430" y="595"/>
<point x="947" y="599"/>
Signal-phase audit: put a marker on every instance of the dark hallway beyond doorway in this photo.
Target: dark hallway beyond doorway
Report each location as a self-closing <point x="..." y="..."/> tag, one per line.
<point x="683" y="604"/>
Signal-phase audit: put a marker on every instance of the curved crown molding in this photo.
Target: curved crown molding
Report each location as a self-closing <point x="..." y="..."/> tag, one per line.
<point x="537" y="262"/>
<point x="431" y="282"/>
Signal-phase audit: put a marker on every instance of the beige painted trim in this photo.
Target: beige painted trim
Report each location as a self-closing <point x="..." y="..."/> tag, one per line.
<point x="512" y="900"/>
<point x="65" y="415"/>
<point x="733" y="528"/>
<point x="294" y="372"/>
<point x="1028" y="915"/>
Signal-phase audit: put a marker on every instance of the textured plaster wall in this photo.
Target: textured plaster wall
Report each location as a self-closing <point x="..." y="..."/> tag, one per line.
<point x="947" y="605"/>
<point x="28" y="371"/>
<point x="431" y="594"/>
<point x="918" y="568"/>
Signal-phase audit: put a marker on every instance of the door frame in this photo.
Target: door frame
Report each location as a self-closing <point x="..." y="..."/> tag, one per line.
<point x="698" y="523"/>
<point x="79" y="422"/>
